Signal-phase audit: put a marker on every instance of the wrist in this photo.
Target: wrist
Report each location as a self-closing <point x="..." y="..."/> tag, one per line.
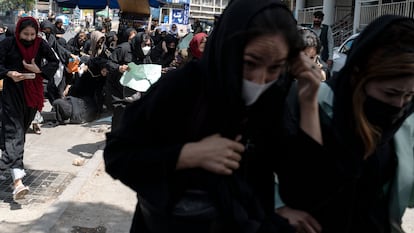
<point x="185" y="159"/>
<point x="309" y="105"/>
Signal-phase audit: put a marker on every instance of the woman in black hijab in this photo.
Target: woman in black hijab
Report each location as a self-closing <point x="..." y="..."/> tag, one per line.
<point x="76" y="44"/>
<point x="85" y="97"/>
<point x="199" y="147"/>
<point x="362" y="179"/>
<point x="22" y="68"/>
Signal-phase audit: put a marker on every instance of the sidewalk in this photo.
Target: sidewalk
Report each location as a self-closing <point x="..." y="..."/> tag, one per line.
<point x="64" y="197"/>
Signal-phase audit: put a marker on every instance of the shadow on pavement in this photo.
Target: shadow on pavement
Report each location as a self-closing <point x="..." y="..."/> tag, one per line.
<point x="88" y="218"/>
<point x="86" y="150"/>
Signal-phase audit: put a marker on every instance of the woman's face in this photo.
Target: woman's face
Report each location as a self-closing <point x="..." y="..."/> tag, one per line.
<point x="82" y="38"/>
<point x="265" y="58"/>
<point x="396" y="92"/>
<point x="311" y="53"/>
<point x="104" y="72"/>
<point x="28" y="34"/>
<point x="202" y="44"/>
<point x="146" y="42"/>
<point x="100" y="41"/>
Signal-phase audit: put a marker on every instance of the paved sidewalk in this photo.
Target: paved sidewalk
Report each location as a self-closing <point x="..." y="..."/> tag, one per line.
<point x="408" y="221"/>
<point x="64" y="197"/>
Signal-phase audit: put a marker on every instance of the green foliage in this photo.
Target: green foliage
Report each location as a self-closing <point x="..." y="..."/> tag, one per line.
<point x="27" y="5"/>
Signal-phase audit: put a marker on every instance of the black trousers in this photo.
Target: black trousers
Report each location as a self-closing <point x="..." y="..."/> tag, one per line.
<point x="16" y="120"/>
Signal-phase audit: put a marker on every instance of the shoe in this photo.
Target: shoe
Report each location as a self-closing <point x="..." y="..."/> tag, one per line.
<point x="36" y="128"/>
<point x="20" y="192"/>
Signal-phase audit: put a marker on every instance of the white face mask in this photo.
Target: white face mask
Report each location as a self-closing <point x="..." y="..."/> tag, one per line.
<point x="251" y="91"/>
<point x="146" y="49"/>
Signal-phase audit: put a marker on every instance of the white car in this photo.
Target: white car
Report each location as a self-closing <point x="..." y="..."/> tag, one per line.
<point x="340" y="53"/>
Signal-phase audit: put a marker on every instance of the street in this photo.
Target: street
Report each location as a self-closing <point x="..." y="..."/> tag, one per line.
<point x="64" y="197"/>
<point x="69" y="188"/>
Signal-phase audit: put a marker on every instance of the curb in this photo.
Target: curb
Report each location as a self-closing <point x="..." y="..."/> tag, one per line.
<point x="55" y="211"/>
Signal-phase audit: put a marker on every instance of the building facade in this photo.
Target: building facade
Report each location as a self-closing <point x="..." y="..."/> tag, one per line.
<point x="206" y="9"/>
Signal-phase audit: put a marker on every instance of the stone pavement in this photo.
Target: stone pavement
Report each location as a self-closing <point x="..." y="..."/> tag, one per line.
<point x="408" y="221"/>
<point x="64" y="197"/>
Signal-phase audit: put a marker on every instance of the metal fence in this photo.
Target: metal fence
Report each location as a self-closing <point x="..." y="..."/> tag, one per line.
<point x="370" y="10"/>
<point x="305" y="16"/>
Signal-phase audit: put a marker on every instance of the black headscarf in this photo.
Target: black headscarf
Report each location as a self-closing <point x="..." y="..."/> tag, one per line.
<point x="47" y="24"/>
<point x="123" y="35"/>
<point x="222" y="61"/>
<point x="111" y="37"/>
<point x="202" y="99"/>
<point x="136" y="46"/>
<point x="74" y="45"/>
<point x="96" y="64"/>
<point x="373" y="37"/>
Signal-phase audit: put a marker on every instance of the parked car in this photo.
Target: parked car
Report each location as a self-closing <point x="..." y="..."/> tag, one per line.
<point x="340" y="53"/>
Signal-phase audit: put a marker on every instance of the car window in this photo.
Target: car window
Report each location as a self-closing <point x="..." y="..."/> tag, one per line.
<point x="347" y="46"/>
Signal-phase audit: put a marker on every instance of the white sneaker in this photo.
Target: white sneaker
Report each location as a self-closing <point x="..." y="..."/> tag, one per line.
<point x="20" y="192"/>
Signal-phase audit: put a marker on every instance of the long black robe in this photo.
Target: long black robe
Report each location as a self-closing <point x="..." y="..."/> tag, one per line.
<point x="114" y="91"/>
<point x="85" y="97"/>
<point x="343" y="191"/>
<point x="187" y="105"/>
<point x="56" y="91"/>
<point x="16" y="116"/>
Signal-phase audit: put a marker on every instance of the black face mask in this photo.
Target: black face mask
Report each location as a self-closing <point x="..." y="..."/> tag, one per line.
<point x="382" y="114"/>
<point x="171" y="50"/>
<point x="47" y="34"/>
<point x="26" y="43"/>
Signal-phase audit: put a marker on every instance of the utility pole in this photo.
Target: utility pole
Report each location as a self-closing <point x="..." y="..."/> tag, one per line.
<point x="35" y="12"/>
<point x="50" y="6"/>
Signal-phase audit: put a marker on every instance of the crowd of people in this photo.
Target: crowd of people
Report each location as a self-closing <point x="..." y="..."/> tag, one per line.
<point x="248" y="132"/>
<point x="79" y="77"/>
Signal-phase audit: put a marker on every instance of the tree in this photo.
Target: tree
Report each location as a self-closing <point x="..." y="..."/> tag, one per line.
<point x="27" y="5"/>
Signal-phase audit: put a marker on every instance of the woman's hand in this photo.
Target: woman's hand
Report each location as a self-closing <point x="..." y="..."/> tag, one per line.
<point x="66" y="91"/>
<point x="301" y="220"/>
<point x="123" y="68"/>
<point x="31" y="66"/>
<point x="74" y="56"/>
<point x="16" y="76"/>
<point x="215" y="153"/>
<point x="308" y="77"/>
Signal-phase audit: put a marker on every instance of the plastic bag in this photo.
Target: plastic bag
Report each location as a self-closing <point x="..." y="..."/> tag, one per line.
<point x="73" y="65"/>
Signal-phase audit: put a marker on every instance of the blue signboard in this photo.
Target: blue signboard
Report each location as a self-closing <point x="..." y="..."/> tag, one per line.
<point x="165" y="19"/>
<point x="160" y="3"/>
<point x="186" y="13"/>
<point x="177" y="16"/>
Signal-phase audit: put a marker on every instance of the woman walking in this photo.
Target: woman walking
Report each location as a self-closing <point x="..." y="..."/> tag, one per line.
<point x="21" y="59"/>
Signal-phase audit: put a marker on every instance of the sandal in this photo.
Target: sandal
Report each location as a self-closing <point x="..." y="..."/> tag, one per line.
<point x="36" y="128"/>
<point x="20" y="192"/>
